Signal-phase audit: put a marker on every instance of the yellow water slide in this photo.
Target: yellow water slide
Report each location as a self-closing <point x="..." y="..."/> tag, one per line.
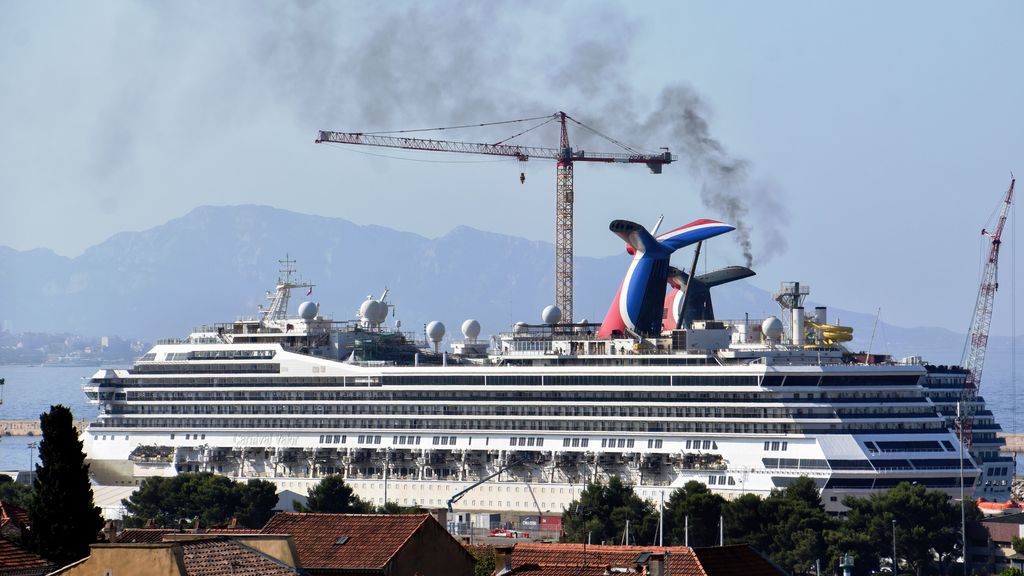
<point x="832" y="333"/>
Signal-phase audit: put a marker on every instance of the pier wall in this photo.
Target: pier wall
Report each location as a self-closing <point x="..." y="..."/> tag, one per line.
<point x="31" y="427"/>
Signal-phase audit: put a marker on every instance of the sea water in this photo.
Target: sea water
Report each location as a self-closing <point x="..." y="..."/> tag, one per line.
<point x="31" y="390"/>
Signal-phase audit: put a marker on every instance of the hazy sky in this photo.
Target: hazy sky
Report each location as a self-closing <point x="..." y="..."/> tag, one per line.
<point x="862" y="145"/>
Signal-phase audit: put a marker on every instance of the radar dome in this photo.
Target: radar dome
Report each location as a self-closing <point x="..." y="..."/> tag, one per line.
<point x="551" y="315"/>
<point x="471" y="329"/>
<point x="435" y="331"/>
<point x="772" y="328"/>
<point x="519" y="327"/>
<point x="374" y="311"/>
<point x="308" y="310"/>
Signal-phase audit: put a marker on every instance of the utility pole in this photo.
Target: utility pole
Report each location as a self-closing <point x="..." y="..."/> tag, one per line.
<point x="31" y="460"/>
<point x="894" y="562"/>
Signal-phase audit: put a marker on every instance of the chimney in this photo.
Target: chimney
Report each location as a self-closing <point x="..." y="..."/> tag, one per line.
<point x="656" y="565"/>
<point x="233" y="524"/>
<point x="195" y="527"/>
<point x="110" y="532"/>
<point x="441" y="515"/>
<point x="502" y="560"/>
<point x="151" y="523"/>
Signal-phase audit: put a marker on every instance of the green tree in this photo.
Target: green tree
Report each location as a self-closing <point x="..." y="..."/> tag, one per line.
<point x="210" y="498"/>
<point x="1011" y="572"/>
<point x="746" y="521"/>
<point x="703" y="508"/>
<point x="601" y="513"/>
<point x="62" y="516"/>
<point x="332" y="495"/>
<point x="796" y="522"/>
<point x="18" y="494"/>
<point x="259" y="497"/>
<point x="1018" y="544"/>
<point x="391" y="507"/>
<point x="485" y="560"/>
<point x="927" y="530"/>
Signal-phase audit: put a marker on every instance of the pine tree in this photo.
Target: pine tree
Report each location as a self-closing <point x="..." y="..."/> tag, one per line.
<point x="63" y="519"/>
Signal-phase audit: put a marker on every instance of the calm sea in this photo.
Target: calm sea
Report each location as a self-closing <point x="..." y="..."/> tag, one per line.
<point x="30" y="391"/>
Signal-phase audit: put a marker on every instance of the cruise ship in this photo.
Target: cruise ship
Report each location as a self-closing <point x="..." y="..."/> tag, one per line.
<point x="660" y="393"/>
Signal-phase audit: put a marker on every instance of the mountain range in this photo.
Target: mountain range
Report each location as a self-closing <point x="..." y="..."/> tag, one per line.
<point x="215" y="264"/>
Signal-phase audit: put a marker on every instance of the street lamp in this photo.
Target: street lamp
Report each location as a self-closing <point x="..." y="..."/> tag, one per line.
<point x="894" y="547"/>
<point x="31" y="459"/>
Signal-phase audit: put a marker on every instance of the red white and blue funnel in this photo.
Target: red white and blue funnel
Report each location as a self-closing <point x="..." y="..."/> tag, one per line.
<point x="638" y="305"/>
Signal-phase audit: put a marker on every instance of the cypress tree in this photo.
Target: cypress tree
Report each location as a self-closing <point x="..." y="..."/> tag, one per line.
<point x="63" y="519"/>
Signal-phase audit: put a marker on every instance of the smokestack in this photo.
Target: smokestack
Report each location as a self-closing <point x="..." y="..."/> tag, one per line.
<point x="798" y="326"/>
<point x="821" y="315"/>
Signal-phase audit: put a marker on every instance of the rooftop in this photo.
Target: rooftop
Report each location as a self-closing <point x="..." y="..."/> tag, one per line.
<point x="346" y="541"/>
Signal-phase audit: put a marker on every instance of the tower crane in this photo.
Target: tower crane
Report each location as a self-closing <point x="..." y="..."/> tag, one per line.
<point x="564" y="156"/>
<point x="977" y="337"/>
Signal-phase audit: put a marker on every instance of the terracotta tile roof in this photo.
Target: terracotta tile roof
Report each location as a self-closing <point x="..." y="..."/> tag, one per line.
<point x="222" y="556"/>
<point x="9" y="512"/>
<point x="233" y="531"/>
<point x="143" y="535"/>
<point x="738" y="560"/>
<point x="153" y="535"/>
<point x="571" y="560"/>
<point x="373" y="539"/>
<point x="16" y="560"/>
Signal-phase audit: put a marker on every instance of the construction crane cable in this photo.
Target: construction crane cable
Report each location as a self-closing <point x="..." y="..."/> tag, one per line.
<point x="551" y="119"/>
<point x="605" y="136"/>
<point x="462" y="126"/>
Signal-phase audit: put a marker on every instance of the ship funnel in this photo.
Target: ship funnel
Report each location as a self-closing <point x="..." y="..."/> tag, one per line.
<point x="798" y="326"/>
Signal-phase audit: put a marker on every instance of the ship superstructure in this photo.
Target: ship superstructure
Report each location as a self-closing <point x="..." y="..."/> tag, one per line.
<point x="740" y="405"/>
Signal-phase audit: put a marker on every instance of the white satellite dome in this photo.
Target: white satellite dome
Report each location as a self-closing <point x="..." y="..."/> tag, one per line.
<point x="551" y="315"/>
<point x="471" y="329"/>
<point x="435" y="331"/>
<point x="519" y="327"/>
<point x="772" y="328"/>
<point x="308" y="310"/>
<point x="373" y="311"/>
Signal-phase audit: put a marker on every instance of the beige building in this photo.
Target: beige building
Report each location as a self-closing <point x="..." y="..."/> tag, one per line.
<point x="192" y="555"/>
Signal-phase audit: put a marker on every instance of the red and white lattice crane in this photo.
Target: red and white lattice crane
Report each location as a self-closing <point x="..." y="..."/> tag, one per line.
<point x="977" y="337"/>
<point x="564" y="156"/>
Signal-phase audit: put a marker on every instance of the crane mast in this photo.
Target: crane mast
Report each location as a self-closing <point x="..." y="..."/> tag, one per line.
<point x="977" y="337"/>
<point x="564" y="156"/>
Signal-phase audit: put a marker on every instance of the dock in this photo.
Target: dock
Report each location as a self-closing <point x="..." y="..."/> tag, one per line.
<point x="31" y="427"/>
<point x="1014" y="443"/>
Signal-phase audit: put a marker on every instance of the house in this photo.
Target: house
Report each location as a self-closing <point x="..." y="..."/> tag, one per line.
<point x="13" y="520"/>
<point x="372" y="544"/>
<point x="536" y="559"/>
<point x="17" y="561"/>
<point x="990" y="542"/>
<point x="192" y="555"/>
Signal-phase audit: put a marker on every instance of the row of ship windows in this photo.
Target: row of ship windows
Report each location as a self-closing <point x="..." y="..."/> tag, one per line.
<point x="395" y="440"/>
<point x="776" y="446"/>
<point x="532" y="441"/>
<point x="502" y="410"/>
<point x="538" y="425"/>
<point x="171" y="395"/>
<point x="721" y="480"/>
<point x="770" y="381"/>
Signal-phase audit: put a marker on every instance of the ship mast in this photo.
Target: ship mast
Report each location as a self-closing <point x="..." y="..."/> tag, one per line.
<point x="277" y="312"/>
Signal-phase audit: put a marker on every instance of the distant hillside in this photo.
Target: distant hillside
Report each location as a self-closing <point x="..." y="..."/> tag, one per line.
<point x="215" y="264"/>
